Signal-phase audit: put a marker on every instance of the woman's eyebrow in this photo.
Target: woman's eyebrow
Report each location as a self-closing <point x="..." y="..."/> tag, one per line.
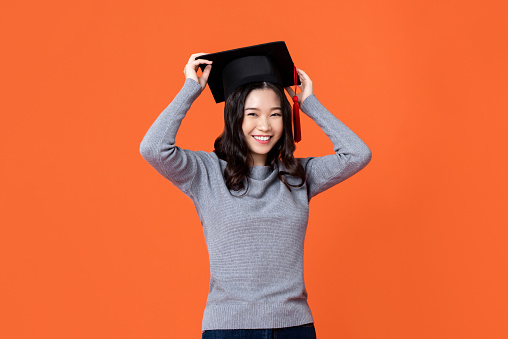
<point x="258" y="109"/>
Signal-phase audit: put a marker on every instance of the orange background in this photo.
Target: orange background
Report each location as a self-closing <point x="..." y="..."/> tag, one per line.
<point x="94" y="243"/>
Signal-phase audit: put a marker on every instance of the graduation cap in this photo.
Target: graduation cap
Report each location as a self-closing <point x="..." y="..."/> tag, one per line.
<point x="269" y="62"/>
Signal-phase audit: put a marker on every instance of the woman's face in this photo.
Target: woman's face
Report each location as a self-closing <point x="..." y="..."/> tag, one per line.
<point x="262" y="123"/>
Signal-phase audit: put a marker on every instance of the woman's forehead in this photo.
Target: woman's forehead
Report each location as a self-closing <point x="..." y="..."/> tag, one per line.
<point x="262" y="98"/>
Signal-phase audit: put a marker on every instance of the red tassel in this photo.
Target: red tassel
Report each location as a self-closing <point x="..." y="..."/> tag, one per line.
<point x="296" y="114"/>
<point x="296" y="120"/>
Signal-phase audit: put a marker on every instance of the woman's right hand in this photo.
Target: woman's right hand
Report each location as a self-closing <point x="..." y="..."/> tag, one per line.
<point x="192" y="66"/>
<point x="305" y="87"/>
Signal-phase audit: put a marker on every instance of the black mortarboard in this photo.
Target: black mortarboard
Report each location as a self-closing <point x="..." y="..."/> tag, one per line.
<point x="266" y="62"/>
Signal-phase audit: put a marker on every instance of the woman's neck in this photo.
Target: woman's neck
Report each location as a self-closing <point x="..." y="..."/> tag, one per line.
<point x="257" y="160"/>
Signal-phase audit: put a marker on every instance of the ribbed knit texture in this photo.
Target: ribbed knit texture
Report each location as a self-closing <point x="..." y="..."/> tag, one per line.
<point x="255" y="242"/>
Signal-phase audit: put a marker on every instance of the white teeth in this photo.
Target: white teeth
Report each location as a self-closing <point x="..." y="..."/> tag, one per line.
<point x="261" y="138"/>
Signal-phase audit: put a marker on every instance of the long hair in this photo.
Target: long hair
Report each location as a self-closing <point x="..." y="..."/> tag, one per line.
<point x="231" y="145"/>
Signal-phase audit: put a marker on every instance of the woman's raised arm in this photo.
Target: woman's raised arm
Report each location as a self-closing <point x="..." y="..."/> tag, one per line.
<point x="158" y="145"/>
<point x="351" y="153"/>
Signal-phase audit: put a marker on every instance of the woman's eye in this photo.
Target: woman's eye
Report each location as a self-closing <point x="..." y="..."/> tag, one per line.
<point x="276" y="114"/>
<point x="252" y="114"/>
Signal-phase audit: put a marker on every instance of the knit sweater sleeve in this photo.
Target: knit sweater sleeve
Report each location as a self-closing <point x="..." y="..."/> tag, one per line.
<point x="158" y="146"/>
<point x="351" y="153"/>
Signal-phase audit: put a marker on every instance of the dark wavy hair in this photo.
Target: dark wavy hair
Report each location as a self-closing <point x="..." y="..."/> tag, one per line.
<point x="231" y="145"/>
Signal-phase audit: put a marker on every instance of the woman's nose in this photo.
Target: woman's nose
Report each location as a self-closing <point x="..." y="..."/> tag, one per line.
<point x="263" y="124"/>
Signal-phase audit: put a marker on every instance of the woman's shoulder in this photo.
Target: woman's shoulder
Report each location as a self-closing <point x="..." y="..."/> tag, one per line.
<point x="304" y="161"/>
<point x="210" y="159"/>
<point x="206" y="156"/>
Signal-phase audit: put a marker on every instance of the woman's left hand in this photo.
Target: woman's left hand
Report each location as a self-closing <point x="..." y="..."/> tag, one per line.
<point x="305" y="87"/>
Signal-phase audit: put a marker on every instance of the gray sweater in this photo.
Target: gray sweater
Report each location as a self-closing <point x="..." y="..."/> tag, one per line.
<point x="255" y="242"/>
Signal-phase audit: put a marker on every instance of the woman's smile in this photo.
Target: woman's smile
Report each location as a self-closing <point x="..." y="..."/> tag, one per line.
<point x="262" y="139"/>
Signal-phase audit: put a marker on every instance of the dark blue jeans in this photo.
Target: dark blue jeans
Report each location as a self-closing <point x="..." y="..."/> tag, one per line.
<point x="297" y="332"/>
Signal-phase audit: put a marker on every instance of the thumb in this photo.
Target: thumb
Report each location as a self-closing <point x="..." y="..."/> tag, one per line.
<point x="206" y="72"/>
<point x="203" y="79"/>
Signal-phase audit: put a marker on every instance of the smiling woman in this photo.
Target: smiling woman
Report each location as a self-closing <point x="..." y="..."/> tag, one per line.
<point x="262" y="123"/>
<point x="257" y="132"/>
<point x="251" y="194"/>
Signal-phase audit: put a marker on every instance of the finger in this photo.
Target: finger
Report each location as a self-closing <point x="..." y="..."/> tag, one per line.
<point x="206" y="72"/>
<point x="195" y="55"/>
<point x="198" y="62"/>
<point x="302" y="73"/>
<point x="195" y="64"/>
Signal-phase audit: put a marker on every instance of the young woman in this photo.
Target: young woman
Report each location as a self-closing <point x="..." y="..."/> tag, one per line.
<point x="252" y="197"/>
